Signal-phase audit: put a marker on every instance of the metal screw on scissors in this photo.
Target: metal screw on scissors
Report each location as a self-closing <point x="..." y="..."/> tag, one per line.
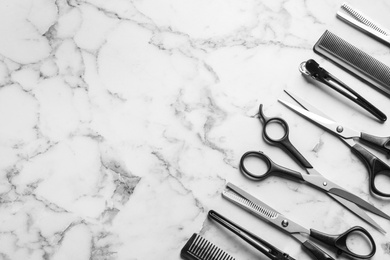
<point x="352" y="202"/>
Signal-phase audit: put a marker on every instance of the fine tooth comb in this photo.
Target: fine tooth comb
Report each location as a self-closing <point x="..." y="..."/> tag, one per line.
<point x="199" y="248"/>
<point x="355" y="61"/>
<point x="364" y="23"/>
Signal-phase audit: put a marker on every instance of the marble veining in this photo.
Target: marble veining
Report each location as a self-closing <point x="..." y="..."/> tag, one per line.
<point x="123" y="120"/>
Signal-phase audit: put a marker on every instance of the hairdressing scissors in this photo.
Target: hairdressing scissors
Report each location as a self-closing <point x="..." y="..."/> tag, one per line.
<point x="338" y="242"/>
<point x="352" y="202"/>
<point x="263" y="246"/>
<point x="375" y="166"/>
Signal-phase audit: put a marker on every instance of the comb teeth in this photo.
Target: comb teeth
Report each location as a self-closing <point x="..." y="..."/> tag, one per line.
<point x="354" y="60"/>
<point x="250" y="205"/>
<point x="361" y="18"/>
<point x="199" y="248"/>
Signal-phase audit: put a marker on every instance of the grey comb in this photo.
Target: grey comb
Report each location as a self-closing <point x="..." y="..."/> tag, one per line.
<point x="362" y="22"/>
<point x="355" y="61"/>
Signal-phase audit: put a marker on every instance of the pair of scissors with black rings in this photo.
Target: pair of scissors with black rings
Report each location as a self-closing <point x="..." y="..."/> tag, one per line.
<point x="312" y="177"/>
<point x="375" y="166"/>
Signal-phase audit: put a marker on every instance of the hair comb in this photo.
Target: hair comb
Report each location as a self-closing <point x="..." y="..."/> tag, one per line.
<point x="355" y="61"/>
<point x="364" y="23"/>
<point x="199" y="248"/>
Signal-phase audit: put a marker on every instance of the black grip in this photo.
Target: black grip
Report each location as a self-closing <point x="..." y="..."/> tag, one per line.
<point x="273" y="168"/>
<point x="340" y="241"/>
<point x="375" y="167"/>
<point x="283" y="142"/>
<point x="286" y="144"/>
<point x="382" y="143"/>
<point x="317" y="252"/>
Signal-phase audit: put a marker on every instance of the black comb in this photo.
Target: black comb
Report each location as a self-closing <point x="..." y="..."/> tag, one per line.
<point x="355" y="61"/>
<point x="199" y="248"/>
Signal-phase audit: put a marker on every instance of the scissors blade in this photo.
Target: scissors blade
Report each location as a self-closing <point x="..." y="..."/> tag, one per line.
<point x="318" y="117"/>
<point x="358" y="201"/>
<point x="358" y="211"/>
<point x="263" y="211"/>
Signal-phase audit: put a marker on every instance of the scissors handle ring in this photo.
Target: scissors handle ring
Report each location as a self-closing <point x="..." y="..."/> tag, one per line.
<point x="283" y="142"/>
<point x="272" y="168"/>
<point x="267" y="120"/>
<point x="340" y="241"/>
<point x="375" y="167"/>
<point x="279" y="121"/>
<point x="260" y="155"/>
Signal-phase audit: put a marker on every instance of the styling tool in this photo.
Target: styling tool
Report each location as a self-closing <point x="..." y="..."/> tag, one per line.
<point x="312" y="177"/>
<point x="338" y="242"/>
<point x="355" y="61"/>
<point x="199" y="248"/>
<point x="375" y="166"/>
<point x="312" y="69"/>
<point x="263" y="246"/>
<point x="363" y="23"/>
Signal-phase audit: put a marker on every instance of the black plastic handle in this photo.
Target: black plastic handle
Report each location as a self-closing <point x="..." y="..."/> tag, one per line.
<point x="272" y="168"/>
<point x="340" y="241"/>
<point x="284" y="142"/>
<point x="382" y="143"/>
<point x="260" y="244"/>
<point x="323" y="76"/>
<point x="375" y="167"/>
<point x="317" y="252"/>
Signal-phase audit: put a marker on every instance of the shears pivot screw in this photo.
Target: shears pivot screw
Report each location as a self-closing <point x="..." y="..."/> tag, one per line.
<point x="325" y="183"/>
<point x="285" y="223"/>
<point x="339" y="129"/>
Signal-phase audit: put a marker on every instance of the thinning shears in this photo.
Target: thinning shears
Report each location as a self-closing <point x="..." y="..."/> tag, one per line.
<point x="270" y="215"/>
<point x="376" y="167"/>
<point x="352" y="202"/>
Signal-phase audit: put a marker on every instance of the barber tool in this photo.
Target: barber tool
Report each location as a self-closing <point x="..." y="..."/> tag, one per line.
<point x="375" y="166"/>
<point x="312" y="69"/>
<point x="263" y="246"/>
<point x="362" y="22"/>
<point x="199" y="248"/>
<point x="355" y="61"/>
<point x="352" y="202"/>
<point x="268" y="214"/>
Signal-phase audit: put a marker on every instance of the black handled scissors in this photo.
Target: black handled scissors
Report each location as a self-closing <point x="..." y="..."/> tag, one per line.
<point x="338" y="242"/>
<point x="352" y="202"/>
<point x="375" y="166"/>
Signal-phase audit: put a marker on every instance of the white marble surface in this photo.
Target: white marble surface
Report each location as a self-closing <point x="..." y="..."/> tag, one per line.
<point x="122" y="122"/>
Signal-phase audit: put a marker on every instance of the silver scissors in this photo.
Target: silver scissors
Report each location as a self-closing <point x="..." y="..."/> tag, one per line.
<point x="375" y="166"/>
<point x="352" y="202"/>
<point x="270" y="215"/>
